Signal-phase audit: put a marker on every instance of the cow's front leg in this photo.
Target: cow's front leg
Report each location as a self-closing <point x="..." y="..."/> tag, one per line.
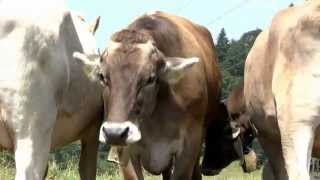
<point x="128" y="172"/>
<point x="123" y="160"/>
<point x="167" y="174"/>
<point x="297" y="143"/>
<point x="196" y="170"/>
<point x="186" y="165"/>
<point x="275" y="168"/>
<point x="267" y="173"/>
<point x="89" y="151"/>
<point x="34" y="124"/>
<point x="137" y="167"/>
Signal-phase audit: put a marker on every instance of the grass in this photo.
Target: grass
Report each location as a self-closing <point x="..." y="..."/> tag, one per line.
<point x="68" y="170"/>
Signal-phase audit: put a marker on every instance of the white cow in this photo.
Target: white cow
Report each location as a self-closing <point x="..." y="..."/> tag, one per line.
<point x="282" y="91"/>
<point x="46" y="98"/>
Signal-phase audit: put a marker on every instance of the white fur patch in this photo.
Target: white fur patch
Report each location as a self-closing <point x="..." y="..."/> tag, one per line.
<point x="90" y="60"/>
<point x="183" y="64"/>
<point x="134" y="134"/>
<point x="23" y="154"/>
<point x="236" y="134"/>
<point x="146" y="47"/>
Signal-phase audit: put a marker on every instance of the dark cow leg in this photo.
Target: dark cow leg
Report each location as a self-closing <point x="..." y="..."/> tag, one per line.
<point x="137" y="167"/>
<point x="276" y="161"/>
<point x="267" y="173"/>
<point x="89" y="151"/>
<point x="196" y="171"/>
<point x="167" y="174"/>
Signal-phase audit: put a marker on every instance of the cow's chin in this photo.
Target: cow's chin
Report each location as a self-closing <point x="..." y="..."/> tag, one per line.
<point x="132" y="135"/>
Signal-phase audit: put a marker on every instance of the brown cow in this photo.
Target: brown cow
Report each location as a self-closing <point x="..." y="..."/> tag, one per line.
<point x="282" y="90"/>
<point x="162" y="85"/>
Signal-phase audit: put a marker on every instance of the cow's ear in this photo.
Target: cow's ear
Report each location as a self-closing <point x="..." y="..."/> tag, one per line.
<point x="175" y="68"/>
<point x="88" y="59"/>
<point x="94" y="26"/>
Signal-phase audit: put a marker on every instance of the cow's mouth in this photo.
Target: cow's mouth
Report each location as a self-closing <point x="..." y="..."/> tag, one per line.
<point x="120" y="134"/>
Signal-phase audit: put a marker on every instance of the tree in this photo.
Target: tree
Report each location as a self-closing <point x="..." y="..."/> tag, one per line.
<point x="233" y="59"/>
<point x="222" y="45"/>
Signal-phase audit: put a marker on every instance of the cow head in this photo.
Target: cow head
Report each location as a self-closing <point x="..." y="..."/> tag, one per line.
<point x="228" y="139"/>
<point x="247" y="134"/>
<point x="223" y="144"/>
<point x="132" y="70"/>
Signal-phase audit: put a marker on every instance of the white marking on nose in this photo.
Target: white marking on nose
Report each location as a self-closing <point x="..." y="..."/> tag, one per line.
<point x="134" y="134"/>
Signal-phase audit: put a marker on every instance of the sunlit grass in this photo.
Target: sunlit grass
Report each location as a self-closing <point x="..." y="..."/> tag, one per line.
<point x="68" y="170"/>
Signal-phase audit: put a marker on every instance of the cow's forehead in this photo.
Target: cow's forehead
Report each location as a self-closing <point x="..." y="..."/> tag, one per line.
<point x="144" y="49"/>
<point x="112" y="47"/>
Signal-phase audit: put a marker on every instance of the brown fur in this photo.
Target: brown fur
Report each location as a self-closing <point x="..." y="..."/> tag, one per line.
<point x="131" y="37"/>
<point x="183" y="108"/>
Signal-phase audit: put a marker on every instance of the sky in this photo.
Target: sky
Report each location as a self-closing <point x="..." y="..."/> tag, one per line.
<point x="236" y="16"/>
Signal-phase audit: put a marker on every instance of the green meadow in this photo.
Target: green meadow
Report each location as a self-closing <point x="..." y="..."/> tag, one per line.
<point x="66" y="168"/>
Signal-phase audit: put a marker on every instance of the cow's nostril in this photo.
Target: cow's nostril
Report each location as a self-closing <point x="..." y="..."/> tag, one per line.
<point x="124" y="134"/>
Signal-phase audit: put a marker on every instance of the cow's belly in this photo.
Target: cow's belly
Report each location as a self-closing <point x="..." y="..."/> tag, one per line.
<point x="67" y="130"/>
<point x="5" y="138"/>
<point x="158" y="155"/>
<point x="68" y="127"/>
<point x="71" y="127"/>
<point x="7" y="99"/>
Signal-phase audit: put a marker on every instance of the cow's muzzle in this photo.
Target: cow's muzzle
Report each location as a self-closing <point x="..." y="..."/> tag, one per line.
<point x="119" y="133"/>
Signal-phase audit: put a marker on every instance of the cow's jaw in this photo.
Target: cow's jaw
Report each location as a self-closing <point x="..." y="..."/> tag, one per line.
<point x="123" y="133"/>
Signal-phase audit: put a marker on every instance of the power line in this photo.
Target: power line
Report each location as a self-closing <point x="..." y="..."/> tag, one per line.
<point x="231" y="10"/>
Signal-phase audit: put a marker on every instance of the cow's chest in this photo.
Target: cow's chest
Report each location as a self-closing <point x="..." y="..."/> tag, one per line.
<point x="156" y="153"/>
